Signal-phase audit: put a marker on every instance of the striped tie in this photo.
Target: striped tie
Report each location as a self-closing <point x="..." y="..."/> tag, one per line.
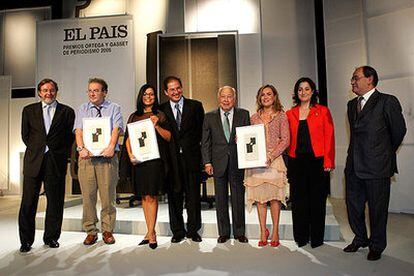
<point x="178" y="117"/>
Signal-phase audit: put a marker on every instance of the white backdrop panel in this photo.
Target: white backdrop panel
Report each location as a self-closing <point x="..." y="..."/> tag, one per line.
<point x="71" y="51"/>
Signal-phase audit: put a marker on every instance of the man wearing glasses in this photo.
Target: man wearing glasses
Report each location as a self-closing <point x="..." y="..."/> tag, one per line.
<point x="47" y="134"/>
<point x="98" y="172"/>
<point x="377" y="129"/>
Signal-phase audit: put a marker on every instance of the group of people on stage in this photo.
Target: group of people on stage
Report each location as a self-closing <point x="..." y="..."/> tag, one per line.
<point x="190" y="141"/>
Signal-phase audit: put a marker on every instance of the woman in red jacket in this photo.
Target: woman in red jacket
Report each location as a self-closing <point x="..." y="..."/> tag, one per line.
<point x="311" y="155"/>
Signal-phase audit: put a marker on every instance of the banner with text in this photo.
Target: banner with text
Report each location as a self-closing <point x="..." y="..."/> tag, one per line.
<point x="71" y="51"/>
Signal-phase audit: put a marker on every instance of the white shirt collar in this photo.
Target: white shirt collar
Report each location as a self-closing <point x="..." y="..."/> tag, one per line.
<point x="231" y="111"/>
<point x="180" y="104"/>
<point x="366" y="97"/>
<point x="53" y="105"/>
<point x="368" y="94"/>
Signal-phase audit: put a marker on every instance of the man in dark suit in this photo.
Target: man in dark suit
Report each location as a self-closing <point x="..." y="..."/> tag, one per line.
<point x="377" y="129"/>
<point x="47" y="134"/>
<point x="186" y="117"/>
<point x="219" y="151"/>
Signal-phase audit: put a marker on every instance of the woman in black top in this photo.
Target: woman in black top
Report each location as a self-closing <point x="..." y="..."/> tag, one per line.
<point x="149" y="177"/>
<point x="311" y="155"/>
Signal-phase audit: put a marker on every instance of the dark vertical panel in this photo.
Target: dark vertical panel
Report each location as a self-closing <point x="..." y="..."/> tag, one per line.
<point x="173" y="61"/>
<point x="227" y="64"/>
<point x="321" y="61"/>
<point x="320" y="52"/>
<point x="151" y="70"/>
<point x="204" y="71"/>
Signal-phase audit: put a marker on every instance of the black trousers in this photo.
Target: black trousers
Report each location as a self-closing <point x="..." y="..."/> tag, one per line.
<point x="308" y="196"/>
<point x="190" y="193"/>
<point x="55" y="194"/>
<point x="221" y="188"/>
<point x="377" y="193"/>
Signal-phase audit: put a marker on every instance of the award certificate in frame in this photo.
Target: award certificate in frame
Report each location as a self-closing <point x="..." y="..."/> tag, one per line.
<point x="143" y="140"/>
<point x="96" y="134"/>
<point x="251" y="146"/>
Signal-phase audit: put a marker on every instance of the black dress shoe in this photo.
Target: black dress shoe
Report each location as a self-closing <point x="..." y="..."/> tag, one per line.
<point x="143" y="242"/>
<point x="352" y="248"/>
<point x="194" y="237"/>
<point x="24" y="248"/>
<point x="301" y="244"/>
<point x="222" y="239"/>
<point x="176" y="239"/>
<point x="316" y="244"/>
<point x="52" y="244"/>
<point x="373" y="255"/>
<point x="241" y="239"/>
<point x="153" y="245"/>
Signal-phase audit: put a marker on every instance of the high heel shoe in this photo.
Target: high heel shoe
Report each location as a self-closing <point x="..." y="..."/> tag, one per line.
<point x="264" y="243"/>
<point x="153" y="245"/>
<point x="143" y="242"/>
<point x="274" y="243"/>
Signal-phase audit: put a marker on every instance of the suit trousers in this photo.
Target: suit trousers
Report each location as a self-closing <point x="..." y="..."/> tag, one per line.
<point x="308" y="196"/>
<point x="190" y="192"/>
<point x="98" y="174"/>
<point x="221" y="188"/>
<point x="55" y="193"/>
<point x="377" y="193"/>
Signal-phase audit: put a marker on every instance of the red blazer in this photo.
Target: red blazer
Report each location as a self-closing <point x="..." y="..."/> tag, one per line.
<point x="321" y="130"/>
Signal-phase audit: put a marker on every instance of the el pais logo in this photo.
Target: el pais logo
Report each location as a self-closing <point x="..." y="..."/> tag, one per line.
<point x="79" y="34"/>
<point x="94" y="40"/>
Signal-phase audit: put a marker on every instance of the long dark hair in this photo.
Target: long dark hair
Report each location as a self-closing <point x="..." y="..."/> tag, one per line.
<point x="314" y="98"/>
<point x="140" y="104"/>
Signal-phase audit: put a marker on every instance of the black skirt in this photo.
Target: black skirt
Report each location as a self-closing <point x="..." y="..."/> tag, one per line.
<point x="149" y="178"/>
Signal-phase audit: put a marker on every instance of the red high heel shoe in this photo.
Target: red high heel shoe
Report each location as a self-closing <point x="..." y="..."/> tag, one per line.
<point x="274" y="243"/>
<point x="264" y="243"/>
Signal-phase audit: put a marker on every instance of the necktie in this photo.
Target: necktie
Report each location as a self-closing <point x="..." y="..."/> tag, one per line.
<point x="48" y="120"/>
<point x="359" y="104"/>
<point x="226" y="126"/>
<point x="98" y="110"/>
<point x="178" y="117"/>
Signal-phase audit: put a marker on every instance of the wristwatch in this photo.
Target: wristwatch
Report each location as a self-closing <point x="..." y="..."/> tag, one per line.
<point x="80" y="148"/>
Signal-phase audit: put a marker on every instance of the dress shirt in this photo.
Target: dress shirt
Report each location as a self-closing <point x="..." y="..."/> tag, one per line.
<point x="51" y="114"/>
<point x="52" y="110"/>
<point x="180" y="106"/>
<point x="108" y="109"/>
<point x="365" y="97"/>
<point x="223" y="117"/>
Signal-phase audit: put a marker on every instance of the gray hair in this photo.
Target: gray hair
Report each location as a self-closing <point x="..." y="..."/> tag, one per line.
<point x="226" y="87"/>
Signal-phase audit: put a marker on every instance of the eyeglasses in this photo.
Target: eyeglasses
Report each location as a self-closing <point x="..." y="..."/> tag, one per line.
<point x="148" y="95"/>
<point x="48" y="90"/>
<point x="94" y="91"/>
<point x="174" y="89"/>
<point x="357" y="78"/>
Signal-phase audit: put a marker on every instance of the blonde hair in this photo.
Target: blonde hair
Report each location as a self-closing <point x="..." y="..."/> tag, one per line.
<point x="277" y="105"/>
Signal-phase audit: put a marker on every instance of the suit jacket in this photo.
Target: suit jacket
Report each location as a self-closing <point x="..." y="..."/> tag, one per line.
<point x="376" y="134"/>
<point x="59" y="139"/>
<point x="321" y="130"/>
<point x="214" y="146"/>
<point x="188" y="137"/>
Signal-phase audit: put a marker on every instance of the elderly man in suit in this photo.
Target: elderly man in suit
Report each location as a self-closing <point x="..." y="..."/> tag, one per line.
<point x="186" y="118"/>
<point x="377" y="129"/>
<point x="47" y="134"/>
<point x="219" y="153"/>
